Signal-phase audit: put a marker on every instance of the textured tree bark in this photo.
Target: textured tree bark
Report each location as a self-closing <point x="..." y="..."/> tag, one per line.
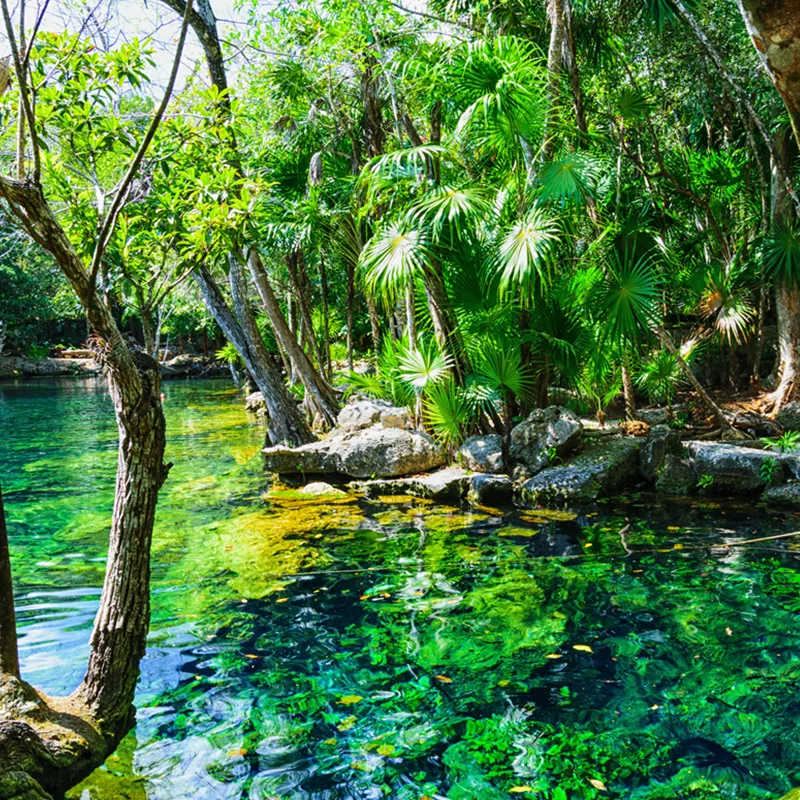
<point x="774" y="27"/>
<point x="324" y="397"/>
<point x="9" y="658"/>
<point x="627" y="390"/>
<point x="48" y="744"/>
<point x="285" y="423"/>
<point x="321" y="393"/>
<point x="787" y="291"/>
<point x="555" y="54"/>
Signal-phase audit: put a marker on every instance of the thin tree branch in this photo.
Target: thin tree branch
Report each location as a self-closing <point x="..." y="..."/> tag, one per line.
<point x="125" y="185"/>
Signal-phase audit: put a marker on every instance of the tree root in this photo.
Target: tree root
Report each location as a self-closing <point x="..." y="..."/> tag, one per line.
<point x="48" y="744"/>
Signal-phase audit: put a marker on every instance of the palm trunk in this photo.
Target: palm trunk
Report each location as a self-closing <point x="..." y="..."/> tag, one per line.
<point x="351" y="299"/>
<point x="627" y="389"/>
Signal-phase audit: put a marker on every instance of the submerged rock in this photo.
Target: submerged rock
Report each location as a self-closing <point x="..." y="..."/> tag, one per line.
<point x="374" y="452"/>
<point x="546" y="430"/>
<point x="366" y="413"/>
<point x="786" y="495"/>
<point x="451" y="485"/>
<point x="603" y="467"/>
<point x="321" y="489"/>
<point x="490" y="490"/>
<point x="482" y="453"/>
<point x="446" y="485"/>
<point x="734" y="469"/>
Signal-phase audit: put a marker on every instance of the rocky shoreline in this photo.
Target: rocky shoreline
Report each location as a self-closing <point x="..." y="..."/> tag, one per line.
<point x="552" y="458"/>
<point x="181" y="366"/>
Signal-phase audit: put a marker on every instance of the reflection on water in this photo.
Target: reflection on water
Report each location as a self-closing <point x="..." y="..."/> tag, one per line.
<point x="355" y="649"/>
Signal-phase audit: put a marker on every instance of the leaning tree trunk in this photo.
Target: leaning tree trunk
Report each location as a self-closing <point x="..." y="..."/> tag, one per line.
<point x="285" y="421"/>
<point x="627" y="389"/>
<point x="322" y="394"/>
<point x="49" y="744"/>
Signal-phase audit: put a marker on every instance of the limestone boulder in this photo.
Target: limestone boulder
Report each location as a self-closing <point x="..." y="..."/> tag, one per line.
<point x="374" y="452"/>
<point x="605" y="466"/>
<point x="786" y="495"/>
<point x="490" y="490"/>
<point x="675" y="476"/>
<point x="482" y="454"/>
<point x="364" y="414"/>
<point x="547" y="430"/>
<point x="734" y="469"/>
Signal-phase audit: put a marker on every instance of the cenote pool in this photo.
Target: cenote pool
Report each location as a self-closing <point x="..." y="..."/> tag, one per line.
<point x="351" y="649"/>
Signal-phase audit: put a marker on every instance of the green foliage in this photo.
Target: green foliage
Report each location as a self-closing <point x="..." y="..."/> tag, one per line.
<point x="448" y="411"/>
<point x="767" y="471"/>
<point x="787" y="442"/>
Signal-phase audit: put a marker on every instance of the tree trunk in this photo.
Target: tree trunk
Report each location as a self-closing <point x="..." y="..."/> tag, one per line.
<point x="774" y="27"/>
<point x="322" y="394"/>
<point x="120" y="629"/>
<point x="445" y="326"/>
<point x="555" y="54"/>
<point x="52" y="743"/>
<point x="296" y="269"/>
<point x="326" y="340"/>
<point x="714" y="409"/>
<point x="787" y="291"/>
<point x="374" y="324"/>
<point x="351" y="301"/>
<point x="627" y="389"/>
<point x="286" y="423"/>
<point x="9" y="658"/>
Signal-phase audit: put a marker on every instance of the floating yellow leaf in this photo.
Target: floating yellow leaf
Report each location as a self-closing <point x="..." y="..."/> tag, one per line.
<point x="599" y="785"/>
<point x="520" y="789"/>
<point x="250" y="655"/>
<point x="677" y="546"/>
<point x="554" y="655"/>
<point x="386" y="750"/>
<point x="559" y="615"/>
<point x="350" y="699"/>
<point x="236" y="753"/>
<point x="584" y="648"/>
<point x="443" y="678"/>
<point x="587" y="544"/>
<point x="673" y="527"/>
<point x="330" y="742"/>
<point x="503" y="683"/>
<point x="346" y="723"/>
<point x="282" y="600"/>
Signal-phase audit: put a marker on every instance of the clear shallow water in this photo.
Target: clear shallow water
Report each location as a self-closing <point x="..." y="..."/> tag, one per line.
<point x="361" y="650"/>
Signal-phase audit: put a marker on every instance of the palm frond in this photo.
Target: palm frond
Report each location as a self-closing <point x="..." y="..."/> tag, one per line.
<point x="524" y="252"/>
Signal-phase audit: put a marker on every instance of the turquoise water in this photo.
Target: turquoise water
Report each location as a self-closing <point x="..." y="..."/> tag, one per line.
<point x="354" y="649"/>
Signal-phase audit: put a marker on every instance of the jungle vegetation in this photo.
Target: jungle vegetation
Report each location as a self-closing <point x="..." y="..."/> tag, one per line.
<point x="494" y="201"/>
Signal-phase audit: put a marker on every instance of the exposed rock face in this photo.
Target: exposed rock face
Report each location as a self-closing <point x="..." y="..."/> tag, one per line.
<point x="661" y="442"/>
<point x="490" y="490"/>
<point x="366" y="413"/>
<point x="447" y="485"/>
<point x="549" y="428"/>
<point x="374" y="452"/>
<point x="737" y="469"/>
<point x="452" y="485"/>
<point x="789" y="417"/>
<point x="11" y="366"/>
<point x="322" y="489"/>
<point x="482" y="453"/>
<point x="786" y="495"/>
<point x="603" y="467"/>
<point x="675" y="476"/>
